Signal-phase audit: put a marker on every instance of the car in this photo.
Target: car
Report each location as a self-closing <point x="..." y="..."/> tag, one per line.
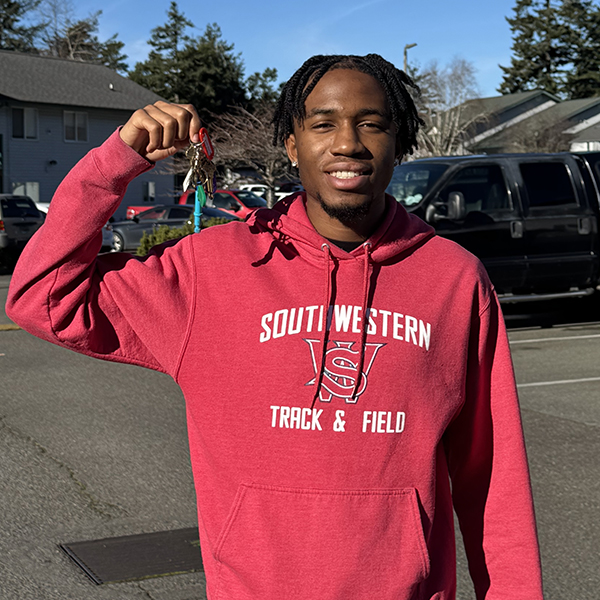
<point x="128" y="234"/>
<point x="239" y="203"/>
<point x="281" y="191"/>
<point x="260" y="189"/>
<point x="19" y="220"/>
<point x="108" y="239"/>
<point x="286" y="189"/>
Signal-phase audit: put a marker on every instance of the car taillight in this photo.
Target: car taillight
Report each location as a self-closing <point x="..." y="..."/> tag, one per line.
<point x="1" y="225"/>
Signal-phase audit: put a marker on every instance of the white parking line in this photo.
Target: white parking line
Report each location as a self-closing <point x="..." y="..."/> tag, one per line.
<point x="556" y="339"/>
<point x="558" y="382"/>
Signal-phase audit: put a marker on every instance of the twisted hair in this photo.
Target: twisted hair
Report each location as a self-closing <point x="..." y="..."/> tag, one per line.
<point x="396" y="84"/>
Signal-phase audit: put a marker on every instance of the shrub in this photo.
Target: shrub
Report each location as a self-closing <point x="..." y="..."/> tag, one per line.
<point x="164" y="233"/>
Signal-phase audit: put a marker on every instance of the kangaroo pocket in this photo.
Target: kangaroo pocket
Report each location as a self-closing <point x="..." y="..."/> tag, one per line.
<point x="294" y="544"/>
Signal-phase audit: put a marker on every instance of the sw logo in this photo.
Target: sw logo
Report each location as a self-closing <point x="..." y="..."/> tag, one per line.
<point x="340" y="369"/>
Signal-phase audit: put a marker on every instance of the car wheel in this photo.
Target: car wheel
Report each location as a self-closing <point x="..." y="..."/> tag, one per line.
<point x="118" y="243"/>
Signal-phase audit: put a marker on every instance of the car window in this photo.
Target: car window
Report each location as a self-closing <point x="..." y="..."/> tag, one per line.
<point x="18" y="208"/>
<point x="152" y="214"/>
<point x="179" y="212"/>
<point x="547" y="184"/>
<point x="250" y="199"/>
<point x="411" y="181"/>
<point x="483" y="187"/>
<point x="222" y="200"/>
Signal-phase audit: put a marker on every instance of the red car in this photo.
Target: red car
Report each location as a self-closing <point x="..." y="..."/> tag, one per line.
<point x="239" y="203"/>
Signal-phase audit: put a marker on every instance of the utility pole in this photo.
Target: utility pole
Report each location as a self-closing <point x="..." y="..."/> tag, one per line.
<point x="406" y="49"/>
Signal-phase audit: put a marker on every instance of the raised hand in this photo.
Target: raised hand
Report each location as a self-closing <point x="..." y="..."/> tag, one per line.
<point x="161" y="129"/>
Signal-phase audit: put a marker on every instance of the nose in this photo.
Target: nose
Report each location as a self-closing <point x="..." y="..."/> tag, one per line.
<point x="346" y="141"/>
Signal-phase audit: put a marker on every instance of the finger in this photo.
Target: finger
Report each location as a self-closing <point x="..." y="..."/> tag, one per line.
<point x="195" y="123"/>
<point x="167" y="123"/>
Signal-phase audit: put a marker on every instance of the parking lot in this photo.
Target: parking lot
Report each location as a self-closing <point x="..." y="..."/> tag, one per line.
<point x="92" y="449"/>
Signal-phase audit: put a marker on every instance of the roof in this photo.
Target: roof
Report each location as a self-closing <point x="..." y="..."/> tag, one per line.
<point x="47" y="80"/>
<point x="591" y="134"/>
<point x="495" y="104"/>
<point x="564" y="112"/>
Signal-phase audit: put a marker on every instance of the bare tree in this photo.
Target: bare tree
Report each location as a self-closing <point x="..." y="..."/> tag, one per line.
<point x="448" y="104"/>
<point x="539" y="133"/>
<point x="245" y="139"/>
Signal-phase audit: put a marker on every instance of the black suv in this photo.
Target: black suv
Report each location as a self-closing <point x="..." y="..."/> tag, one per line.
<point x="19" y="220"/>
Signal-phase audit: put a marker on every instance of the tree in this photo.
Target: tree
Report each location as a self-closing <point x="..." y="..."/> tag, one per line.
<point x="214" y="75"/>
<point x="203" y="71"/>
<point x="245" y="139"/>
<point x="539" y="51"/>
<point x="63" y="37"/>
<point x="582" y="40"/>
<point x="260" y="88"/>
<point x="14" y="35"/>
<point x="556" y="48"/>
<point x="447" y="105"/>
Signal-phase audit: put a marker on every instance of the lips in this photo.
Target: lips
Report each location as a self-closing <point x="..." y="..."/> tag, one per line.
<point x="347" y="177"/>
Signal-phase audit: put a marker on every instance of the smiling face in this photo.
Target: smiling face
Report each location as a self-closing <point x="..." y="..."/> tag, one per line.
<point x="345" y="149"/>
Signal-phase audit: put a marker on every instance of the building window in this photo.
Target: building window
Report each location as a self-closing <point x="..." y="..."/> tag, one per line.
<point x="25" y="123"/>
<point x="76" y="126"/>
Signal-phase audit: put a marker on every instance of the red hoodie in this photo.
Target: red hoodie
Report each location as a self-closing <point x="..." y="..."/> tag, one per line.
<point x="312" y="482"/>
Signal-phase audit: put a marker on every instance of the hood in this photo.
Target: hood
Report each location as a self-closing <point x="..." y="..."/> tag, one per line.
<point x="399" y="234"/>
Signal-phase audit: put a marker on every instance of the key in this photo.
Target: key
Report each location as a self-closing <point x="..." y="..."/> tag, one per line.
<point x="202" y="170"/>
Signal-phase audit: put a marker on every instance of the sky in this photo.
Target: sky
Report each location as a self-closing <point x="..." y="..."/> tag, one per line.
<point x="284" y="34"/>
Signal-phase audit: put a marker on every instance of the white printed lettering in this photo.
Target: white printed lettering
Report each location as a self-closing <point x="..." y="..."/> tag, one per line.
<point x="311" y="312"/>
<point x="281" y="316"/>
<point x="274" y="409"/>
<point x="397" y="326"/>
<point x="383" y="422"/>
<point x="372" y="330"/>
<point x="295" y="418"/>
<point x="356" y="319"/>
<point x="284" y="415"/>
<point x="306" y="413"/>
<point x="292" y="330"/>
<point x="385" y="314"/>
<point x="424" y="334"/>
<point x="411" y="328"/>
<point x="265" y="336"/>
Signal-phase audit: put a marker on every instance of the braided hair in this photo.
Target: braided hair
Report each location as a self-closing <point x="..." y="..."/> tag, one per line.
<point x="395" y="83"/>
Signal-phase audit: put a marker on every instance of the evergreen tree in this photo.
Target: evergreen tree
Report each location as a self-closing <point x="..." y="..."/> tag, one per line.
<point x="213" y="73"/>
<point x="259" y="87"/>
<point x="203" y="71"/>
<point x="539" y="52"/>
<point x="582" y="40"/>
<point x="13" y="34"/>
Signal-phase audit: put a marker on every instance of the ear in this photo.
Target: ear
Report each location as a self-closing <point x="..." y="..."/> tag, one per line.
<point x="290" y="146"/>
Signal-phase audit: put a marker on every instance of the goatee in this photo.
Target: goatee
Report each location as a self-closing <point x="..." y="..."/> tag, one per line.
<point x="348" y="214"/>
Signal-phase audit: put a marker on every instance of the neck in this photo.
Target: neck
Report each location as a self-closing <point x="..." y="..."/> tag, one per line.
<point x="344" y="229"/>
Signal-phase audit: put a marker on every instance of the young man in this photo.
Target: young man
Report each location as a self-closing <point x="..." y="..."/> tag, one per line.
<point x="383" y="394"/>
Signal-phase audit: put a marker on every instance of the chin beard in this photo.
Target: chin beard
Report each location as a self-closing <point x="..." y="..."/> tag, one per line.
<point x="346" y="213"/>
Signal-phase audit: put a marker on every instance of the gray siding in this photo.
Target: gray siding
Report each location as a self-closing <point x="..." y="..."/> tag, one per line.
<point x="49" y="158"/>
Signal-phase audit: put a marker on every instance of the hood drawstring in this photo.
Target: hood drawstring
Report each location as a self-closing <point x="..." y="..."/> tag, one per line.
<point x="364" y="322"/>
<point x="326" y="303"/>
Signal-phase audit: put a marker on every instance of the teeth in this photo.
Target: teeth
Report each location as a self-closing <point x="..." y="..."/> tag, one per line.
<point x="345" y="174"/>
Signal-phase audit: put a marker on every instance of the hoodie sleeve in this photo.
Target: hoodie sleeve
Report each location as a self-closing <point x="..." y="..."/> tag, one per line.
<point x="489" y="472"/>
<point x="113" y="306"/>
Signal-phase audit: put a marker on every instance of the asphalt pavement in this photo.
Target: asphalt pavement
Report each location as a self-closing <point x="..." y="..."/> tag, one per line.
<point x="91" y="449"/>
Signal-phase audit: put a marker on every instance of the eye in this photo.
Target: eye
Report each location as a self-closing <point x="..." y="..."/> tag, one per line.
<point x="372" y="125"/>
<point x="322" y="125"/>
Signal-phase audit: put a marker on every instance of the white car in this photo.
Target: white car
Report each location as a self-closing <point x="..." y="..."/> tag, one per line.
<point x="260" y="189"/>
